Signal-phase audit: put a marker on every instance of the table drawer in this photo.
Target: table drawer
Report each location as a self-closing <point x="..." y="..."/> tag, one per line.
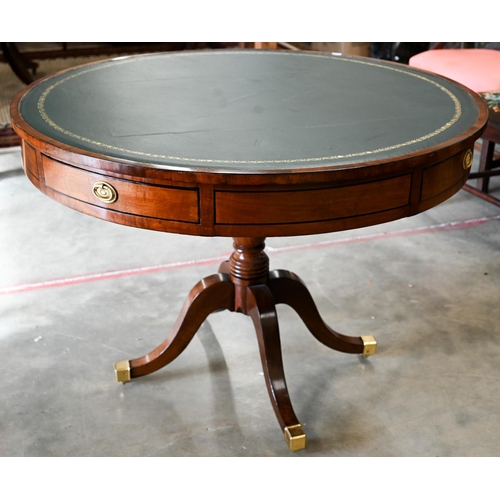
<point x="160" y="202"/>
<point x="311" y="205"/>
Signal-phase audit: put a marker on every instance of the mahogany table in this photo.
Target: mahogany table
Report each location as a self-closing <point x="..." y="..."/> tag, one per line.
<point x="248" y="144"/>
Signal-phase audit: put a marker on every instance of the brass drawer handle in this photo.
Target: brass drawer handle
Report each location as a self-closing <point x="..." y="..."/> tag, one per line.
<point x="467" y="163"/>
<point x="105" y="192"/>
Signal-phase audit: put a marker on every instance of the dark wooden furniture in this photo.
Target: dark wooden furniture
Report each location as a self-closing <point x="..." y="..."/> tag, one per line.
<point x="23" y="67"/>
<point x="489" y="162"/>
<point x="8" y="138"/>
<point x="24" y="64"/>
<point x="248" y="144"/>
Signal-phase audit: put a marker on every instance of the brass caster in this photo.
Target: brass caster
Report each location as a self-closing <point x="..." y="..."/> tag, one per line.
<point x="122" y="371"/>
<point x="369" y="345"/>
<point x="295" y="437"/>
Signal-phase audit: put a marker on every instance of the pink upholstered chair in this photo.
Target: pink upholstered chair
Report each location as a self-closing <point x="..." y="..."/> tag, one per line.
<point x="478" y="69"/>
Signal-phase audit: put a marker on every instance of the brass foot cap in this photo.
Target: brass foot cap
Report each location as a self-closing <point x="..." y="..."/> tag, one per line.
<point x="122" y="371"/>
<point x="295" y="437"/>
<point x="369" y="345"/>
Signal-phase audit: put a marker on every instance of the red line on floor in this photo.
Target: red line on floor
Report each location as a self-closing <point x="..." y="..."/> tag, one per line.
<point x="447" y="226"/>
<point x="88" y="278"/>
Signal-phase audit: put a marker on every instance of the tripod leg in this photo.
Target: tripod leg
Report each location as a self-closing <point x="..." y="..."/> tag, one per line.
<point x="288" y="288"/>
<point x="260" y="307"/>
<point x="210" y="294"/>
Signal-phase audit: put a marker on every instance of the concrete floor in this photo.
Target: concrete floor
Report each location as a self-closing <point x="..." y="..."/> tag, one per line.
<point x="427" y="287"/>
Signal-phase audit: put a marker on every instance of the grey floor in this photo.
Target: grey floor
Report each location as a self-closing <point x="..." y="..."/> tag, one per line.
<point x="427" y="287"/>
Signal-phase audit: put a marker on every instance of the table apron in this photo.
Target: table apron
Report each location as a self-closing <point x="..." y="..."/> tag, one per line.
<point x="247" y="210"/>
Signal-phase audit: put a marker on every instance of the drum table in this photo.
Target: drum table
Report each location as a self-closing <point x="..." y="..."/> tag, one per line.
<point x="248" y="144"/>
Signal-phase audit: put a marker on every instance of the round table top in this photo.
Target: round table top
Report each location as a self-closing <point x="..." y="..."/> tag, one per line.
<point x="247" y="143"/>
<point x="234" y="111"/>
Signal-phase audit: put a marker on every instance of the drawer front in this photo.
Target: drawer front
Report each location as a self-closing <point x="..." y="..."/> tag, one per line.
<point x="310" y="206"/>
<point x="443" y="180"/>
<point x="29" y="160"/>
<point x="160" y="202"/>
<point x="451" y="174"/>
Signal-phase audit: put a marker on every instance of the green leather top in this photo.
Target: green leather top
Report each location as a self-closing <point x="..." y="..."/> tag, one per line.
<point x="251" y="110"/>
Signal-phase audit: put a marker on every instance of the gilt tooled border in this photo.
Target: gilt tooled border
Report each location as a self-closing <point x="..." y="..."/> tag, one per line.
<point x="51" y="123"/>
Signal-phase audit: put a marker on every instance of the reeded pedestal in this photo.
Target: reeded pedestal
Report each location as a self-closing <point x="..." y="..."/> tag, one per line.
<point x="244" y="284"/>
